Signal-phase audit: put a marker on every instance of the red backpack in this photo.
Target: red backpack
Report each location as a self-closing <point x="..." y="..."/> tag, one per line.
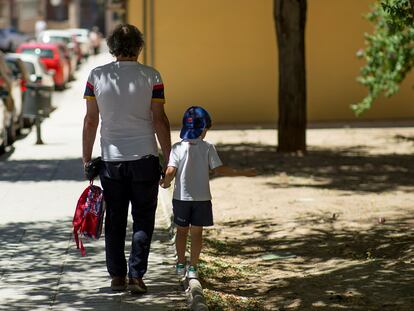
<point x="89" y="214"/>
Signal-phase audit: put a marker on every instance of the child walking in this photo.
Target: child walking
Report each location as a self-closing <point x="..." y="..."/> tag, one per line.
<point x="190" y="163"/>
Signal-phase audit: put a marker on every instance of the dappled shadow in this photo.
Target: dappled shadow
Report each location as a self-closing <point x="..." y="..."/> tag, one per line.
<point x="404" y="138"/>
<point x="41" y="170"/>
<point x="351" y="169"/>
<point x="329" y="268"/>
<point x="42" y="269"/>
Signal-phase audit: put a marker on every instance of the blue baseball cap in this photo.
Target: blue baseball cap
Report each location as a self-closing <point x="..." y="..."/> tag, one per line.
<point x="195" y="120"/>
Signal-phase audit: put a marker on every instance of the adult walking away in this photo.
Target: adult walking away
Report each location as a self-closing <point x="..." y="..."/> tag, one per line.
<point x="129" y="98"/>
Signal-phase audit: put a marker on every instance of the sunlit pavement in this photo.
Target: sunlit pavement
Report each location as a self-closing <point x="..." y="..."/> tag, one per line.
<point x="40" y="267"/>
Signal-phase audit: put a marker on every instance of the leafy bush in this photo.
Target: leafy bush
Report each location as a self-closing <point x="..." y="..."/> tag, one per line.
<point x="389" y="52"/>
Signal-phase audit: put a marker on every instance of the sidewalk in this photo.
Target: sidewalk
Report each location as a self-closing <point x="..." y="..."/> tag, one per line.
<point x="40" y="267"/>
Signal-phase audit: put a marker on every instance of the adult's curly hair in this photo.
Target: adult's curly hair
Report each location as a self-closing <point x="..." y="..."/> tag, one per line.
<point x="126" y="40"/>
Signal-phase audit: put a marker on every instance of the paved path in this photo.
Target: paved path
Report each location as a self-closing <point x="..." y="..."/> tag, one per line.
<point x="40" y="267"/>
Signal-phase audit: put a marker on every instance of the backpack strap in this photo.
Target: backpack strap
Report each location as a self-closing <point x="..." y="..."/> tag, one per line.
<point x="79" y="243"/>
<point x="77" y="221"/>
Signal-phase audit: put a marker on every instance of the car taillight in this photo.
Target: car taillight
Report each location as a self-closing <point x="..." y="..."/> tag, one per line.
<point x="23" y="86"/>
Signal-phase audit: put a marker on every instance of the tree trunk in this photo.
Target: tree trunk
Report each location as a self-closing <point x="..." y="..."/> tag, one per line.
<point x="412" y="6"/>
<point x="290" y="20"/>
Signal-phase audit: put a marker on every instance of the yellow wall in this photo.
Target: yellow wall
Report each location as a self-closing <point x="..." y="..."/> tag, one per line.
<point x="222" y="55"/>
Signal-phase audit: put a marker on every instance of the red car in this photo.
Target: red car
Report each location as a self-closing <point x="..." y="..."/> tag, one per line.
<point x="53" y="59"/>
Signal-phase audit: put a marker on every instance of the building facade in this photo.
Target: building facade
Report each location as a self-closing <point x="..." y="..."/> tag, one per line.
<point x="222" y="54"/>
<point x="59" y="14"/>
<point x="21" y="14"/>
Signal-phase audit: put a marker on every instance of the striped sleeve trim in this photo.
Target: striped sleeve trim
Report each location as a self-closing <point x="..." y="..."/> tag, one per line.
<point x="158" y="86"/>
<point x="89" y="97"/>
<point x="89" y="90"/>
<point x="158" y="100"/>
<point x="158" y="91"/>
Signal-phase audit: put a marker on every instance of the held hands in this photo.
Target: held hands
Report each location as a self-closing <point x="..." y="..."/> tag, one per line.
<point x="166" y="180"/>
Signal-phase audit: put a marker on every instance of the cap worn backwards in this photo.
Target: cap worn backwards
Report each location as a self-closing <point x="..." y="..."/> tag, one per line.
<point x="195" y="120"/>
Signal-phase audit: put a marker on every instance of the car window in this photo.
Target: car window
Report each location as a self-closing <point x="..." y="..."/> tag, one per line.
<point x="14" y="68"/>
<point x="30" y="67"/>
<point x="59" y="39"/>
<point x="42" y="53"/>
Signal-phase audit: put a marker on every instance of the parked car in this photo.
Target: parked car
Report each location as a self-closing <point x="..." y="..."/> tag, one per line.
<point x="10" y="39"/>
<point x="52" y="58"/>
<point x="82" y="36"/>
<point x="11" y="88"/>
<point x="36" y="70"/>
<point x="66" y="39"/>
<point x="3" y="126"/>
<point x="40" y="85"/>
<point x="21" y="75"/>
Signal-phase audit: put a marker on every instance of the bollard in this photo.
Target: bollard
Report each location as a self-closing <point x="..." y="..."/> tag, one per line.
<point x="38" y="131"/>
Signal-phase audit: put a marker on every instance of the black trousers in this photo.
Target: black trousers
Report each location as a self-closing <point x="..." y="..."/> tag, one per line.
<point x="134" y="182"/>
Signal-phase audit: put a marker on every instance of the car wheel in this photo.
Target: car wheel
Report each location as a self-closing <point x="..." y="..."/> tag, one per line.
<point x="4" y="143"/>
<point x="60" y="87"/>
<point x="11" y="133"/>
<point x="27" y="122"/>
<point x="20" y="126"/>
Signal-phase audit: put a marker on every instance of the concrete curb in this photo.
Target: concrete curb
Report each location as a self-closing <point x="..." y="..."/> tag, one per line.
<point x="192" y="287"/>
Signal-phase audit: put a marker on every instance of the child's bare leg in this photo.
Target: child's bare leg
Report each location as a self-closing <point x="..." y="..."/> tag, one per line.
<point x="196" y="244"/>
<point x="181" y="243"/>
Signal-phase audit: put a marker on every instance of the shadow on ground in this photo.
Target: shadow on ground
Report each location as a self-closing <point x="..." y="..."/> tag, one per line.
<point x="350" y="169"/>
<point x="42" y="269"/>
<point x="329" y="268"/>
<point x="41" y="170"/>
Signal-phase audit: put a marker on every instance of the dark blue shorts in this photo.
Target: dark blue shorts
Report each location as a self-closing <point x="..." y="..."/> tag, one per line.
<point x="195" y="213"/>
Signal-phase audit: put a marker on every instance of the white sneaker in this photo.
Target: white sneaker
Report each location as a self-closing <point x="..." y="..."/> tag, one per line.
<point x="192" y="272"/>
<point x="180" y="270"/>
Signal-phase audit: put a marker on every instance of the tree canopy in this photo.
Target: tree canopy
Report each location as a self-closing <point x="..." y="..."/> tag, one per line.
<point x="389" y="51"/>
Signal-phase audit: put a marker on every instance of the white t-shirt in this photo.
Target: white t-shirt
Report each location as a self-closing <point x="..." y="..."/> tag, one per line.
<point x="124" y="92"/>
<point x="193" y="159"/>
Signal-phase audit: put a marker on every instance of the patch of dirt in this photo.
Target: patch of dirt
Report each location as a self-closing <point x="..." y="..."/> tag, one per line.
<point x="331" y="230"/>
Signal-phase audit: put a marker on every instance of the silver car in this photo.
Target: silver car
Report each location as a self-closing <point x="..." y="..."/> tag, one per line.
<point x="37" y="72"/>
<point x="11" y="89"/>
<point x="40" y="85"/>
<point x="4" y="123"/>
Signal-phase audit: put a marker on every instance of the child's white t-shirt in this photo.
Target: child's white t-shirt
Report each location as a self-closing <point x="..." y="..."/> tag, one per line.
<point x="193" y="159"/>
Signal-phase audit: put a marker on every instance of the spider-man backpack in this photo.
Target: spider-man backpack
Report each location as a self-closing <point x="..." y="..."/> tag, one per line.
<point x="89" y="215"/>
